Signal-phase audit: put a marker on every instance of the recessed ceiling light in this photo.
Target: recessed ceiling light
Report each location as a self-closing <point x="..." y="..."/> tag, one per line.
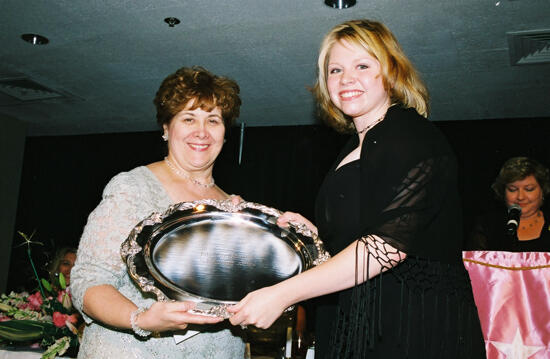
<point x="340" y="4"/>
<point x="172" y="21"/>
<point x="35" y="39"/>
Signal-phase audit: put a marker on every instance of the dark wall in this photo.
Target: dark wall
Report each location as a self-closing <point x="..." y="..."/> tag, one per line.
<point x="282" y="167"/>
<point x="12" y="144"/>
<point x="483" y="146"/>
<point x="63" y="178"/>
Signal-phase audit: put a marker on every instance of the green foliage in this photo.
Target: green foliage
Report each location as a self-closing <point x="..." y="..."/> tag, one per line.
<point x="24" y="330"/>
<point x="46" y="316"/>
<point x="58" y="348"/>
<point x="62" y="282"/>
<point x="46" y="285"/>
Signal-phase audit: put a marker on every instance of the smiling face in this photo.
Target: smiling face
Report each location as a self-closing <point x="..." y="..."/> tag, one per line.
<point x="525" y="192"/>
<point x="65" y="266"/>
<point x="355" y="83"/>
<point x="195" y="138"/>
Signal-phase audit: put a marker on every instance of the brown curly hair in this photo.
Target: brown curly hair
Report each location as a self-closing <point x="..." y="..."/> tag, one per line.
<point x="517" y="168"/>
<point x="400" y="78"/>
<point x="198" y="84"/>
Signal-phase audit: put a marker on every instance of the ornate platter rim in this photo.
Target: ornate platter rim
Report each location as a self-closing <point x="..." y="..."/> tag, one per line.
<point x="133" y="249"/>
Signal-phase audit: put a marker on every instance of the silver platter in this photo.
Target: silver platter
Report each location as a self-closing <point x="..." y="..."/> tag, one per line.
<point x="215" y="252"/>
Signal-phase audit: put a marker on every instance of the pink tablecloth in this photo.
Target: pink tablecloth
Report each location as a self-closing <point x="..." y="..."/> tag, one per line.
<point x="512" y="295"/>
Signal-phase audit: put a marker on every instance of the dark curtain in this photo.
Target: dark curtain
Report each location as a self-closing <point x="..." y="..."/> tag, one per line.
<point x="281" y="167"/>
<point x="63" y="178"/>
<point x="482" y="147"/>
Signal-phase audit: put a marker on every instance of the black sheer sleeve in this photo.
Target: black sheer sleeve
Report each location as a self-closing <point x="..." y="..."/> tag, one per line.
<point x="409" y="195"/>
<point x="415" y="204"/>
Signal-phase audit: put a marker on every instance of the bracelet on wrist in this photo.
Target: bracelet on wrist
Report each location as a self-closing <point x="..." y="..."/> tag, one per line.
<point x="133" y="322"/>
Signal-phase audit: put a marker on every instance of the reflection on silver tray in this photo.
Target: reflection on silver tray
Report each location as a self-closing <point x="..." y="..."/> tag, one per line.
<point x="215" y="252"/>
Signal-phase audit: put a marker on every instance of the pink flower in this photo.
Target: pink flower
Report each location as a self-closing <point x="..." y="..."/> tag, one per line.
<point x="60" y="295"/>
<point x="24" y="305"/>
<point x="35" y="301"/>
<point x="73" y="318"/>
<point x="59" y="319"/>
<point x="64" y="297"/>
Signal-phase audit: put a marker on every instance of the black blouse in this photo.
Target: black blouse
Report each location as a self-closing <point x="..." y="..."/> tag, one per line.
<point x="338" y="206"/>
<point x="489" y="234"/>
<point x="408" y="190"/>
<point x="402" y="189"/>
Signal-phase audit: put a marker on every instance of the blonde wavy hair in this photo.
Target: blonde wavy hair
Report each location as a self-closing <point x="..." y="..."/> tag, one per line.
<point x="400" y="78"/>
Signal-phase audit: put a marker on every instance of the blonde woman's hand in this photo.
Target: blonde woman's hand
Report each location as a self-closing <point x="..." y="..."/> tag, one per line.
<point x="259" y="308"/>
<point x="291" y="217"/>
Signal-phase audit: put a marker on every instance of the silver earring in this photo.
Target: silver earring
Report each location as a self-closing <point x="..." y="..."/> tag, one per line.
<point x="224" y="140"/>
<point x="165" y="137"/>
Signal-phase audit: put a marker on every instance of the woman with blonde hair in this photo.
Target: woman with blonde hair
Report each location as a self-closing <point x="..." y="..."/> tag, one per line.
<point x="389" y="211"/>
<point x="62" y="263"/>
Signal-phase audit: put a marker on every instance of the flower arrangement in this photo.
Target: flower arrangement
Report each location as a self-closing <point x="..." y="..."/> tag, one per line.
<point x="45" y="317"/>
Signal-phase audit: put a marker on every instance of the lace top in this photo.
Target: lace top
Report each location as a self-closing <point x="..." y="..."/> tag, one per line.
<point x="127" y="199"/>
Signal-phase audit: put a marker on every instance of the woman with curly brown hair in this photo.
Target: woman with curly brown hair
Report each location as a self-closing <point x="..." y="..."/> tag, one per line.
<point x="194" y="109"/>
<point x="522" y="182"/>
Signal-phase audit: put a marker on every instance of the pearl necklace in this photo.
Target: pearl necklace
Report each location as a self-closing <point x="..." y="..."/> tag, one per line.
<point x="371" y="125"/>
<point x="186" y="176"/>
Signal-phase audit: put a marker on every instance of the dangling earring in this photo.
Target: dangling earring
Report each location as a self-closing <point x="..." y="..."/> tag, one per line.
<point x="224" y="140"/>
<point x="165" y="137"/>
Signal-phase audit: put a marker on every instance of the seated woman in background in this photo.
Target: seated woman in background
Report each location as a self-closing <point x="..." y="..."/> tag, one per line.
<point x="62" y="263"/>
<point x="523" y="182"/>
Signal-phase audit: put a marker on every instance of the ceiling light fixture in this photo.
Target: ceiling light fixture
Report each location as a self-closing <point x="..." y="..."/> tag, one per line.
<point x="172" y="21"/>
<point x="35" y="39"/>
<point x="340" y="4"/>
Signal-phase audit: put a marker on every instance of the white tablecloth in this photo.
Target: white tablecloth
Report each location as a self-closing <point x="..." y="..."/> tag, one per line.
<point x="21" y="353"/>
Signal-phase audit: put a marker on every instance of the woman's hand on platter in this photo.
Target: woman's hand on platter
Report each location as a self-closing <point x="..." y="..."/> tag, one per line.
<point x="163" y="316"/>
<point x="259" y="308"/>
<point x="296" y="218"/>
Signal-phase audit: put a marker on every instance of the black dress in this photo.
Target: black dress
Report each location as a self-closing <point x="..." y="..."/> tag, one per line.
<point x="403" y="190"/>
